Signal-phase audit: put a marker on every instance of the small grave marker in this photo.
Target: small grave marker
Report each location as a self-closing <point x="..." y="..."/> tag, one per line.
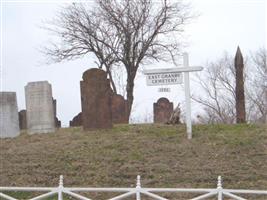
<point x="162" y="110"/>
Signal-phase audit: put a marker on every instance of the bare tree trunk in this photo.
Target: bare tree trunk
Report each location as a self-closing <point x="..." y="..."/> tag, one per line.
<point x="129" y="90"/>
<point x="239" y="89"/>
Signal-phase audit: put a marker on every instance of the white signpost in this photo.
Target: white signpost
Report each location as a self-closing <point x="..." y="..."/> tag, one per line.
<point x="173" y="76"/>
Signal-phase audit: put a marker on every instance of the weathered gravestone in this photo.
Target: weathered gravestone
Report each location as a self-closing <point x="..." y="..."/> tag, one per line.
<point x="57" y="121"/>
<point x="39" y="106"/>
<point x="162" y="110"/>
<point x="9" y="120"/>
<point x="77" y="120"/>
<point x="119" y="107"/>
<point x="96" y="100"/>
<point x="22" y="119"/>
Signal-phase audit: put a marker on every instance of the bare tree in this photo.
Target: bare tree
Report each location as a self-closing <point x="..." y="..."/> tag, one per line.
<point x="257" y="92"/>
<point x="82" y="32"/>
<point x="119" y="77"/>
<point x="218" y="89"/>
<point x="218" y="98"/>
<point x="127" y="32"/>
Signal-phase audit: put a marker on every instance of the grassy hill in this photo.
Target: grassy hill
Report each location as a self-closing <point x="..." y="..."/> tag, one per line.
<point x="161" y="154"/>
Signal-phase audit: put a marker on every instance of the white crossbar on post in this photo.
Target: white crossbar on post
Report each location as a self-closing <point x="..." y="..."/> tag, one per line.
<point x="173" y="70"/>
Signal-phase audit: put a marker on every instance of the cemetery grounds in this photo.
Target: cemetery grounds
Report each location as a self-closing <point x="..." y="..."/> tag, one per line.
<point x="161" y="154"/>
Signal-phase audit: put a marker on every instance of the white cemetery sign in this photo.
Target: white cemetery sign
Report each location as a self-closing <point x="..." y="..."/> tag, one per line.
<point x="171" y="76"/>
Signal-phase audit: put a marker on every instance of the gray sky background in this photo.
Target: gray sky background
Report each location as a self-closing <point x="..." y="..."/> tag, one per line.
<point x="222" y="25"/>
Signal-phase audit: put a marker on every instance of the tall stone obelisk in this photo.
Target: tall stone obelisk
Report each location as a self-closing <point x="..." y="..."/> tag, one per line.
<point x="239" y="88"/>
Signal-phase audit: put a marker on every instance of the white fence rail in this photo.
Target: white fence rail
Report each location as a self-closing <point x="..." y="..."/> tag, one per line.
<point x="219" y="193"/>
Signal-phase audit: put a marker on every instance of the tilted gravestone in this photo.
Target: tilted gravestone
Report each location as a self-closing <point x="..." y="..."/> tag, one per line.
<point x="96" y="100"/>
<point x="77" y="120"/>
<point x="57" y="121"/>
<point x="22" y="119"/>
<point x="119" y="107"/>
<point x="162" y="110"/>
<point x="9" y="120"/>
<point x="39" y="106"/>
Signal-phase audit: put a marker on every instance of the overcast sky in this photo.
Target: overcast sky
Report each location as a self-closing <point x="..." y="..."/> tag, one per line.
<point x="222" y="25"/>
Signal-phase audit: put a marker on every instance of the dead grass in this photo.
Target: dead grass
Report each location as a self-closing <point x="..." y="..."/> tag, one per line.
<point x="161" y="154"/>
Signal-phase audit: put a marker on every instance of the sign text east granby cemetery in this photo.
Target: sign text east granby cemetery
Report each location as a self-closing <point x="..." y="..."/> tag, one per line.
<point x="168" y="78"/>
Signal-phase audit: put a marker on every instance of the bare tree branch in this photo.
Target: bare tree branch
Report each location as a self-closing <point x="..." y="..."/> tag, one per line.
<point x="217" y="84"/>
<point x="126" y="32"/>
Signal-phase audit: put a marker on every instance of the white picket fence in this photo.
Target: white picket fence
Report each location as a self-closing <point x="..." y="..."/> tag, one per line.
<point x="218" y="193"/>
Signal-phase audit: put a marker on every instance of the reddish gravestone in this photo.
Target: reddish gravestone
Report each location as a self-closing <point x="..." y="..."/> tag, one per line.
<point x="96" y="100"/>
<point x="119" y="107"/>
<point x="77" y="120"/>
<point x="22" y="120"/>
<point x="162" y="110"/>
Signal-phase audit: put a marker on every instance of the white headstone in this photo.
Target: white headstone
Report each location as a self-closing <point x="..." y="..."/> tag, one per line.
<point x="9" y="120"/>
<point x="39" y="106"/>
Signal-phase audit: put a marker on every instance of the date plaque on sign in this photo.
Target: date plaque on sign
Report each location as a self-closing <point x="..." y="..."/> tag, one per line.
<point x="164" y="90"/>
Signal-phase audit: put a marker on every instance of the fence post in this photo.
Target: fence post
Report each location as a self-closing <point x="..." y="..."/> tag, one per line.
<point x="138" y="187"/>
<point x="219" y="188"/>
<point x="60" y="188"/>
